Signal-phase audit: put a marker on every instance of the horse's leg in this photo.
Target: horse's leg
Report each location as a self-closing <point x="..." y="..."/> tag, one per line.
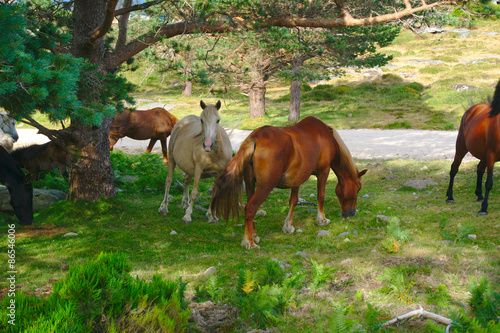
<point x="322" y="177"/>
<point x="260" y="195"/>
<point x="194" y="194"/>
<point x="294" y="198"/>
<point x="163" y="210"/>
<point x="250" y="182"/>
<point x="460" y="152"/>
<point x="479" y="184"/>
<point x="211" y="218"/>
<point x="151" y="145"/>
<point x="490" y="161"/>
<point x="164" y="149"/>
<point x="112" y="142"/>
<point x="185" y="196"/>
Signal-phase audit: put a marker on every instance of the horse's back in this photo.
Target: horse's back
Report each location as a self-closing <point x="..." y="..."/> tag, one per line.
<point x="296" y="151"/>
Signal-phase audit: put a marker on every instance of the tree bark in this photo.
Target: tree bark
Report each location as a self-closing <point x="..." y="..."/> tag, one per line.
<point x="91" y="172"/>
<point x="187" y="86"/>
<point x="257" y="96"/>
<point x="294" y="109"/>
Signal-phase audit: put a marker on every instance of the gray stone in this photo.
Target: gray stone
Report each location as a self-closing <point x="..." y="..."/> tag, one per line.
<point x="346" y="261"/>
<point x="210" y="271"/>
<point x="323" y="233"/>
<point x="261" y="212"/>
<point x="41" y="199"/>
<point x="173" y="232"/>
<point x="463" y="87"/>
<point x="343" y="234"/>
<point x="472" y="236"/>
<point x="383" y="217"/>
<point x="300" y="253"/>
<point x="70" y="234"/>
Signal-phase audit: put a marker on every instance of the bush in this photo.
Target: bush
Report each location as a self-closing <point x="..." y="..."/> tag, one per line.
<point x="101" y="296"/>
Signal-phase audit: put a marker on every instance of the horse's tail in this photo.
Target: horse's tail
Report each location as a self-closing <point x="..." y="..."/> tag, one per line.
<point x="495" y="103"/>
<point x="226" y="194"/>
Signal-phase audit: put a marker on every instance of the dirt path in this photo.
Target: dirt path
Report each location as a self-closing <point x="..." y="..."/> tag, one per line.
<point x="363" y="143"/>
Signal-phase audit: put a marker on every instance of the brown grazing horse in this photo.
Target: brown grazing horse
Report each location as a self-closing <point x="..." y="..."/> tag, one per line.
<point x="285" y="157"/>
<point x="19" y="186"/>
<point x="479" y="134"/>
<point x="44" y="157"/>
<point x="155" y="124"/>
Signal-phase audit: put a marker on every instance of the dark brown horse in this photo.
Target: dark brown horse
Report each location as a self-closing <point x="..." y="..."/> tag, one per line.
<point x="155" y="124"/>
<point x="19" y="186"/>
<point x="44" y="157"/>
<point x="479" y="134"/>
<point x="285" y="157"/>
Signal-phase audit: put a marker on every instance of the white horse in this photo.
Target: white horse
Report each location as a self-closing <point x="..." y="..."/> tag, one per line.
<point x="201" y="148"/>
<point x="8" y="132"/>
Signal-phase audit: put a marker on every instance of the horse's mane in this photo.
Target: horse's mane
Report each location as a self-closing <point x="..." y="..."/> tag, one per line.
<point x="495" y="103"/>
<point x="346" y="160"/>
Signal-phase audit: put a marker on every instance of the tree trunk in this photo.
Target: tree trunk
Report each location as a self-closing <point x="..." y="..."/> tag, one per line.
<point x="187" y="84"/>
<point x="91" y="172"/>
<point x="257" y="96"/>
<point x="294" y="109"/>
<point x="187" y="88"/>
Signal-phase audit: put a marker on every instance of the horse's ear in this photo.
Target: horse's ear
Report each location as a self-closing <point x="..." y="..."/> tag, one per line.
<point x="362" y="173"/>
<point x="203" y="105"/>
<point x="218" y="105"/>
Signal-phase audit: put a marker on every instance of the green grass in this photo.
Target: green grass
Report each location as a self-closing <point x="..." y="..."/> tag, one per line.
<point x="130" y="224"/>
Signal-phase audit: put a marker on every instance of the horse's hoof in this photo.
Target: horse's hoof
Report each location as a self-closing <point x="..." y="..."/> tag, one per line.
<point x="323" y="223"/>
<point x="186" y="220"/>
<point x="249" y="246"/>
<point x="481" y="213"/>
<point x="288" y="230"/>
<point x="480" y="199"/>
<point x="212" y="220"/>
<point x="450" y="201"/>
<point x="162" y="211"/>
<point x="256" y="239"/>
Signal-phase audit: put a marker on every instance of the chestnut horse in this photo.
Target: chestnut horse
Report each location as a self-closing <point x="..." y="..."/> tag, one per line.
<point x="201" y="148"/>
<point x="155" y="124"/>
<point x="19" y="186"/>
<point x="285" y="157"/>
<point x="479" y="134"/>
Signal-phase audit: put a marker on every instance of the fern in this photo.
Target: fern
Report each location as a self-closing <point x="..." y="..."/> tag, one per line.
<point x="321" y="275"/>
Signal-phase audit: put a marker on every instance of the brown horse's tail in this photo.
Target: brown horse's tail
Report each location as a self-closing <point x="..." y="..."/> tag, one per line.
<point x="226" y="195"/>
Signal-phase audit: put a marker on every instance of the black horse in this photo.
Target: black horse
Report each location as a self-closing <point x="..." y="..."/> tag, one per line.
<point x="19" y="186"/>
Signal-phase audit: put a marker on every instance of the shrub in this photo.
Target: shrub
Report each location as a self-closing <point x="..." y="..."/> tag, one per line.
<point x="100" y="295"/>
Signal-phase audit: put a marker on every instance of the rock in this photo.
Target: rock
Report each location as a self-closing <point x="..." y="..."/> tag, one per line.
<point x="298" y="231"/>
<point x="419" y="184"/>
<point x="209" y="317"/>
<point x="210" y="271"/>
<point x="70" y="234"/>
<point x="347" y="240"/>
<point x="261" y="212"/>
<point x="41" y="199"/>
<point x="472" y="236"/>
<point x="323" y="233"/>
<point x="300" y="253"/>
<point x="173" y="232"/>
<point x="384" y="218"/>
<point x="463" y="87"/>
<point x="343" y="234"/>
<point x="346" y="262"/>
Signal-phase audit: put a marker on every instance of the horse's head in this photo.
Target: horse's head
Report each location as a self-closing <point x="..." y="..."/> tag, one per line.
<point x="22" y="202"/>
<point x="8" y="125"/>
<point x="209" y="122"/>
<point x="347" y="191"/>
